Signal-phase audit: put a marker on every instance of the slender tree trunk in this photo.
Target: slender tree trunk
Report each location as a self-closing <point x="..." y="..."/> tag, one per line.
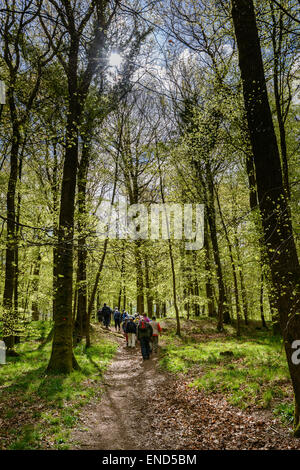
<point x="223" y="314"/>
<point x="123" y="280"/>
<point x="35" y="287"/>
<point x="250" y="168"/>
<point x="208" y="282"/>
<point x="157" y="310"/>
<point x="277" y="50"/>
<point x="233" y="266"/>
<point x="139" y="277"/>
<point x="244" y="294"/>
<point x="148" y="287"/>
<point x="178" y="331"/>
<point x="261" y="302"/>
<point x="164" y="309"/>
<point x="93" y="294"/>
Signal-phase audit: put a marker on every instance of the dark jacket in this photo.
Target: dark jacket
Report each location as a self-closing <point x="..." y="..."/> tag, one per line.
<point x="131" y="327"/>
<point x="124" y="325"/>
<point x="146" y="332"/>
<point x="117" y="315"/>
<point x="99" y="315"/>
<point x="106" y="312"/>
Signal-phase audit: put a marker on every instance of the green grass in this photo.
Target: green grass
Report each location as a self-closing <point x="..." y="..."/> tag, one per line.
<point x="256" y="374"/>
<point x="285" y="411"/>
<point x="40" y="407"/>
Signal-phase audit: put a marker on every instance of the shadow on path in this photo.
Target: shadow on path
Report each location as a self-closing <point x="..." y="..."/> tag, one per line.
<point x="124" y="413"/>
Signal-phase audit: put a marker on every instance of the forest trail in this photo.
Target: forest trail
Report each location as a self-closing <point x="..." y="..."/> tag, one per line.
<point x="123" y="419"/>
<point x="143" y="408"/>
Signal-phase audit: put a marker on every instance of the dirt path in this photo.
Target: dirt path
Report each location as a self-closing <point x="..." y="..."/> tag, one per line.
<point x="143" y="408"/>
<point x="125" y="409"/>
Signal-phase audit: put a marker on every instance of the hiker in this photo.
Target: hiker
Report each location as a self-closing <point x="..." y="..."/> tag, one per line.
<point x="106" y="313"/>
<point x="144" y="334"/>
<point x="124" y="326"/>
<point x="117" y="318"/>
<point x="145" y="318"/>
<point x="131" y="332"/>
<point x="100" y="316"/>
<point x="157" y="329"/>
<point x="124" y="315"/>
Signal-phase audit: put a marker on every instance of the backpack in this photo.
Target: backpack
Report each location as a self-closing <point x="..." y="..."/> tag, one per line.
<point x="131" y="327"/>
<point x="145" y="329"/>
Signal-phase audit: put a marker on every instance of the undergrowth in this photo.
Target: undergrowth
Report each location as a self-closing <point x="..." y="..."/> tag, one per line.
<point x="250" y="371"/>
<point x="39" y="409"/>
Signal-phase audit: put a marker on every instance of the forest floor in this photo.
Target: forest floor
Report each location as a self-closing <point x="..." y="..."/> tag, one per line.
<point x="147" y="407"/>
<point x="204" y="390"/>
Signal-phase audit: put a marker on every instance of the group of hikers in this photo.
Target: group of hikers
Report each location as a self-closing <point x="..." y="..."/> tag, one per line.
<point x="135" y="328"/>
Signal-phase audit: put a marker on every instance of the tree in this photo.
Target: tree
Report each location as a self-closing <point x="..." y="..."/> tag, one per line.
<point x="18" y="54"/>
<point x="96" y="19"/>
<point x="276" y="222"/>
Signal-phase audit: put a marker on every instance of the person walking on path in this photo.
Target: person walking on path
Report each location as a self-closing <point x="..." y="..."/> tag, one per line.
<point x="144" y="334"/>
<point x="117" y="318"/>
<point x="157" y="329"/>
<point x="145" y="318"/>
<point x="106" y="313"/>
<point x="124" y="326"/>
<point x="131" y="332"/>
<point x="124" y="315"/>
<point x="100" y="316"/>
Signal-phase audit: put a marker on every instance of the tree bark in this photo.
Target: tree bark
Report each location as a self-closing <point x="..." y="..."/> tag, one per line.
<point x="9" y="316"/>
<point x="261" y="302"/>
<point x="276" y="222"/>
<point x="223" y="313"/>
<point x="233" y="267"/>
<point x="148" y="287"/>
<point x="208" y="282"/>
<point x="35" y="287"/>
<point x="81" y="282"/>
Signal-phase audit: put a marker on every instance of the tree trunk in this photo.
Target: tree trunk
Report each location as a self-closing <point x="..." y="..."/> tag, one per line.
<point x="223" y="314"/>
<point x="139" y="277"/>
<point x="62" y="359"/>
<point x="157" y="312"/>
<point x="277" y="50"/>
<point x="261" y="302"/>
<point x="148" y="287"/>
<point x="208" y="282"/>
<point x="178" y="332"/>
<point x="35" y="288"/>
<point x="93" y="294"/>
<point x="276" y="222"/>
<point x="233" y="267"/>
<point x="81" y="283"/>
<point x="9" y="313"/>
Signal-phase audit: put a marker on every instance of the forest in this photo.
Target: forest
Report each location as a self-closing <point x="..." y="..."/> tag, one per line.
<point x="149" y="162"/>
